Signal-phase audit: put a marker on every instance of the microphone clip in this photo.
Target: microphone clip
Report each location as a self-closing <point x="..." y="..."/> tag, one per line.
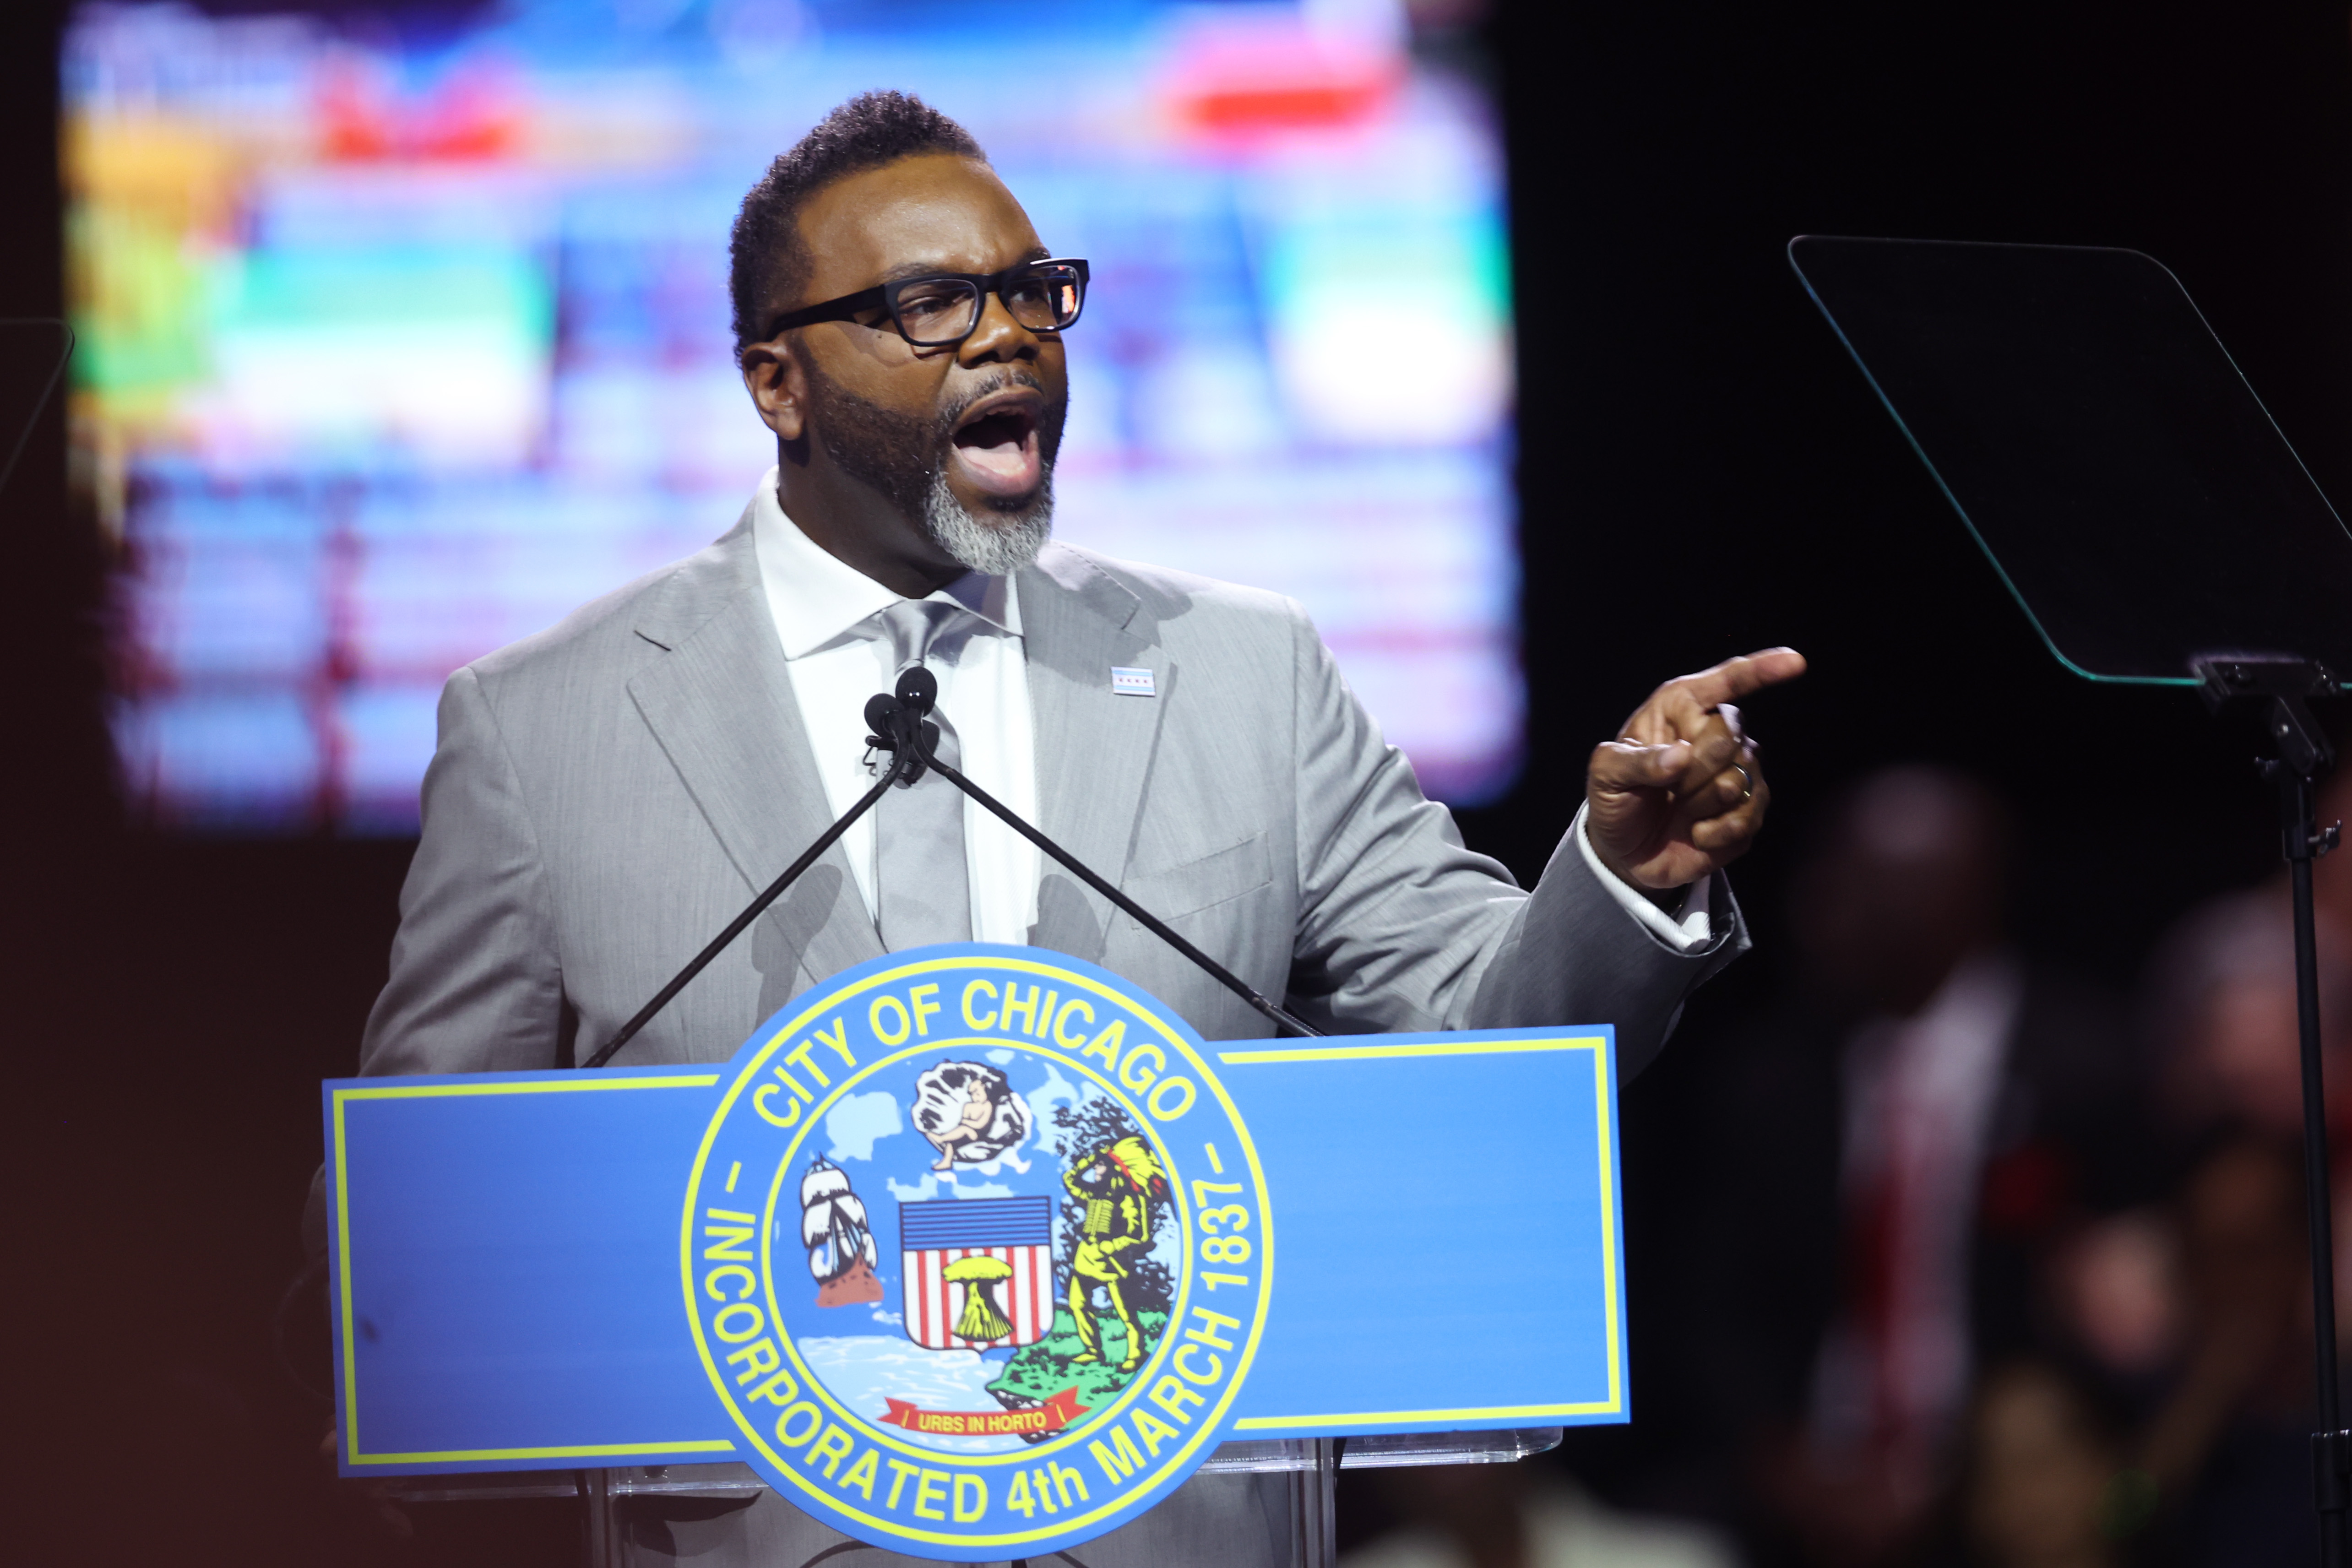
<point x="900" y="723"/>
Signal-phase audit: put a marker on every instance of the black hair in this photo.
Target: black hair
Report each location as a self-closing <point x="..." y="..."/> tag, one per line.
<point x="767" y="263"/>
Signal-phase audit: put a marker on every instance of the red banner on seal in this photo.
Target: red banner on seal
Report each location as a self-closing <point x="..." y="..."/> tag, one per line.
<point x="1034" y="1421"/>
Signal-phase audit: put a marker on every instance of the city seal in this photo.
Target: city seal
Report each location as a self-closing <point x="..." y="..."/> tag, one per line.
<point x="977" y="1252"/>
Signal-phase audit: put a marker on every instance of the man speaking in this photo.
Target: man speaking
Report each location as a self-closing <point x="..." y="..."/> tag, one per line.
<point x="608" y="794"/>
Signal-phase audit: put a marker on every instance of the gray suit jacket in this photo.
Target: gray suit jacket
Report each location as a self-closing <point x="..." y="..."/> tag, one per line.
<point x="607" y="794"/>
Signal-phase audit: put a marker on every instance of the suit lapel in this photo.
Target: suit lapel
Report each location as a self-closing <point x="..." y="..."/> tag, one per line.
<point x="721" y="706"/>
<point x="1094" y="747"/>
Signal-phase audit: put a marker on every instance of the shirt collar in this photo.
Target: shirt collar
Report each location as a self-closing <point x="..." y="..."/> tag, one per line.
<point x="816" y="599"/>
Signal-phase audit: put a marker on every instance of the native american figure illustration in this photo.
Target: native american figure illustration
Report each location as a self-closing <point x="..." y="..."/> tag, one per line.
<point x="1116" y="1184"/>
<point x="969" y="1111"/>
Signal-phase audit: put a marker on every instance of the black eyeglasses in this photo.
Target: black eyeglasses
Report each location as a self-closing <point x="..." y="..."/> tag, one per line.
<point x="942" y="309"/>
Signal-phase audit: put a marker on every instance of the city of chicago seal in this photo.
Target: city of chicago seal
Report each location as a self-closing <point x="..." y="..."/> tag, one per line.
<point x="977" y="1251"/>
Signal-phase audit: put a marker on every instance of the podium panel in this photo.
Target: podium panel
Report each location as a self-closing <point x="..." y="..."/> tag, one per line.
<point x="978" y="1255"/>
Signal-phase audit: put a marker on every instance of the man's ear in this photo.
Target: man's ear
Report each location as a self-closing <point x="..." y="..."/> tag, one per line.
<point x="774" y="377"/>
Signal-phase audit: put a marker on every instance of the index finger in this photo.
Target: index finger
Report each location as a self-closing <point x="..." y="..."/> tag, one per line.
<point x="1734" y="678"/>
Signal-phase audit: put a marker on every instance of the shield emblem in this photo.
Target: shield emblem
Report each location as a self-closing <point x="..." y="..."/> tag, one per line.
<point x="978" y="1272"/>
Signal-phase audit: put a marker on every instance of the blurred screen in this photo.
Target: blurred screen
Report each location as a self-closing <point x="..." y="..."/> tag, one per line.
<point x="403" y="335"/>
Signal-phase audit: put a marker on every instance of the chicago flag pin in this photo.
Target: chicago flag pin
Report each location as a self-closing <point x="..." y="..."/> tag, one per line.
<point x="1132" y="682"/>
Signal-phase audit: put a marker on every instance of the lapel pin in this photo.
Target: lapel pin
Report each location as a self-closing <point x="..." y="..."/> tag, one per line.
<point x="1132" y="682"/>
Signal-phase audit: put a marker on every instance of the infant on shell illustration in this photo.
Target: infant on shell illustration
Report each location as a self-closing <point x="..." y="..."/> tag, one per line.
<point x="969" y="1111"/>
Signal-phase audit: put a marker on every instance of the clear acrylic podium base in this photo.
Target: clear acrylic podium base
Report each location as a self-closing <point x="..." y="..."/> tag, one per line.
<point x="1312" y="1462"/>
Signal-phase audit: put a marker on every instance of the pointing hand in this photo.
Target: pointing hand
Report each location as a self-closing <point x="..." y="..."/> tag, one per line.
<point x="1680" y="794"/>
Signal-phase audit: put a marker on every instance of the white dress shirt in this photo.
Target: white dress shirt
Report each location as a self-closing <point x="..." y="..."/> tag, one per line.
<point x="1684" y="932"/>
<point x="838" y="656"/>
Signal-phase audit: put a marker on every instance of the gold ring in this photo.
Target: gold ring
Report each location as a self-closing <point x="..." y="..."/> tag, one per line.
<point x="1750" y="793"/>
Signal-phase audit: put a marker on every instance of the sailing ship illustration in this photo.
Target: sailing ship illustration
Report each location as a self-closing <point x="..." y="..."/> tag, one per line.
<point x="839" y="1239"/>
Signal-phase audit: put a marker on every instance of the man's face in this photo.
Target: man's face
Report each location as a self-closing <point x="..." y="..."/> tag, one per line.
<point x="957" y="438"/>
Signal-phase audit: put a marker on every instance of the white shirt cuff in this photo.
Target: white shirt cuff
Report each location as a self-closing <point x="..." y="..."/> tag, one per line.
<point x="1690" y="931"/>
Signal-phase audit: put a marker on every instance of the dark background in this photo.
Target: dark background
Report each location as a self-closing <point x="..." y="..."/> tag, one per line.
<point x="1702" y="472"/>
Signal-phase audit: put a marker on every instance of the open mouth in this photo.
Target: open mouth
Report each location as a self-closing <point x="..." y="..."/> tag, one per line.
<point x="995" y="444"/>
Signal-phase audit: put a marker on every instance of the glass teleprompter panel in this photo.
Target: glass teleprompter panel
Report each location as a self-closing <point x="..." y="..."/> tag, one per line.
<point x="2102" y="446"/>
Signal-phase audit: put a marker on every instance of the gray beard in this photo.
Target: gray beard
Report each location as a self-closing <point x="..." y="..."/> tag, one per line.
<point x="906" y="459"/>
<point x="995" y="545"/>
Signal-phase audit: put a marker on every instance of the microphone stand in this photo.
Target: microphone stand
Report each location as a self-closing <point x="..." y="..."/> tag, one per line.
<point x="918" y="690"/>
<point x="912" y="733"/>
<point x="752" y="911"/>
<point x="900" y="726"/>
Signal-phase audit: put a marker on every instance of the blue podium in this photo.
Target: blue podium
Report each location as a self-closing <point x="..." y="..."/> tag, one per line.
<point x="976" y="1253"/>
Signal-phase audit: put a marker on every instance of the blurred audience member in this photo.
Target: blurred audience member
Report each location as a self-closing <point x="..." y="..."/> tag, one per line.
<point x="2115" y="1287"/>
<point x="1966" y="1272"/>
<point x="2200" y="1312"/>
<point x="2228" y="1448"/>
<point x="2041" y="1474"/>
<point x="2219" y="1006"/>
<point x="1526" y="1515"/>
<point x="2197" y="1312"/>
<point x="1975" y="1108"/>
<point x="1900" y="921"/>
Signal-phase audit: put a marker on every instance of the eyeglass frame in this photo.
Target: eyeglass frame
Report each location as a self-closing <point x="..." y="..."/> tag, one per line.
<point x="885" y="295"/>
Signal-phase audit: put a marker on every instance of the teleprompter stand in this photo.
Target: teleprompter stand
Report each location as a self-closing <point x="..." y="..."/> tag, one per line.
<point x="2154" y="527"/>
<point x="2304" y="754"/>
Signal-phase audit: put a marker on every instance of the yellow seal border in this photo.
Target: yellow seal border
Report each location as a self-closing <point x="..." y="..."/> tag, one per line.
<point x="1177" y="1035"/>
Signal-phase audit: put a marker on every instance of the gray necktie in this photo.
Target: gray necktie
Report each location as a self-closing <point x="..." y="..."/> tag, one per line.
<point x="921" y="891"/>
